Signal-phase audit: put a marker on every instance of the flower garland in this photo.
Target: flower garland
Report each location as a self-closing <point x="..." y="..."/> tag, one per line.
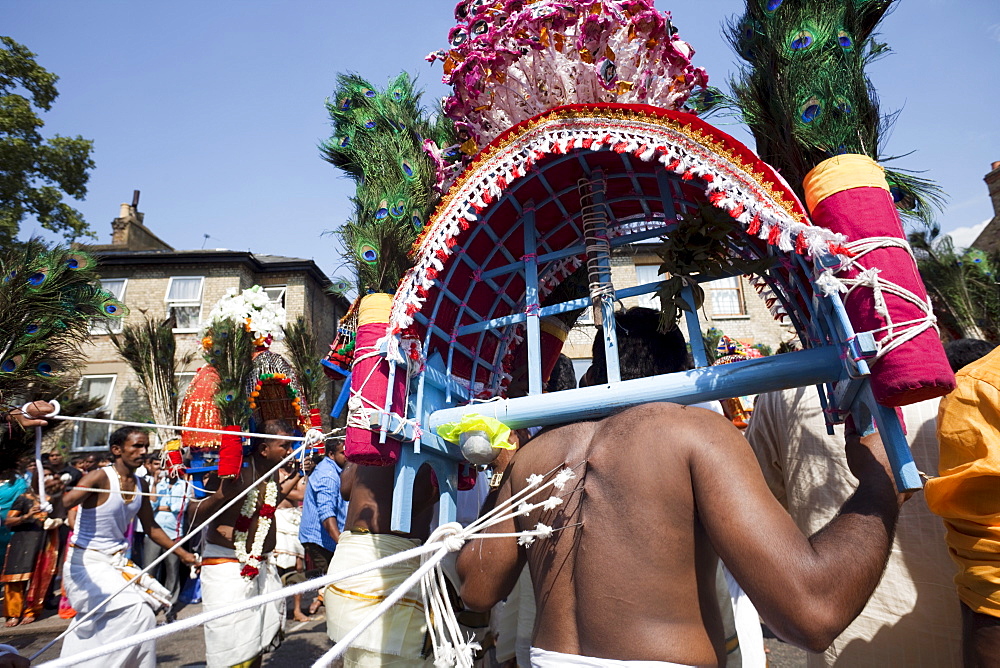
<point x="254" y="309"/>
<point x="251" y="561"/>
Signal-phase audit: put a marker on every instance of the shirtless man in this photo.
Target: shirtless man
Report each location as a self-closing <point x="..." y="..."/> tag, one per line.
<point x="93" y="567"/>
<point x="398" y="639"/>
<point x="244" y="637"/>
<point x="662" y="492"/>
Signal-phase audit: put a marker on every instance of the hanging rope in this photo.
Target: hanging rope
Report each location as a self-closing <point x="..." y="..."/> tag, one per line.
<point x="312" y="436"/>
<point x="896" y="333"/>
<point x="43" y="499"/>
<point x="450" y="648"/>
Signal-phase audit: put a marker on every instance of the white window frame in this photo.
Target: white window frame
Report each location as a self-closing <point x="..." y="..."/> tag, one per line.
<point x="649" y="300"/>
<point x="281" y="302"/>
<point x="715" y="287"/>
<point x="101" y="411"/>
<point x="284" y="291"/>
<point x="103" y="326"/>
<point x="185" y="303"/>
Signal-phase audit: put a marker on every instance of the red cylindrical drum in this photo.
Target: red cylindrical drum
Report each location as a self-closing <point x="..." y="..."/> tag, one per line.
<point x="849" y="194"/>
<point x="370" y="386"/>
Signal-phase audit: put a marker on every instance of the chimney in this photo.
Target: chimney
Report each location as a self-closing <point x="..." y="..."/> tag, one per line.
<point x="989" y="239"/>
<point x="993" y="183"/>
<point x="128" y="231"/>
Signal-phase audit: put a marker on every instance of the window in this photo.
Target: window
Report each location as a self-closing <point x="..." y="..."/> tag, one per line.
<point x="648" y="273"/>
<point x="580" y="366"/>
<point x="276" y="293"/>
<point x="726" y="297"/>
<point x="116" y="286"/>
<point x="90" y="435"/>
<point x="183" y="379"/>
<point x="184" y="302"/>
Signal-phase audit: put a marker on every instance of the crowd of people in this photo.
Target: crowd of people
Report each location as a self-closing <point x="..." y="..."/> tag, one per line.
<point x="674" y="510"/>
<point x="70" y="554"/>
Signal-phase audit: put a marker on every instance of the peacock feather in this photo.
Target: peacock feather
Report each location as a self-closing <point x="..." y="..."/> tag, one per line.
<point x="228" y="347"/>
<point x="150" y="349"/>
<point x="805" y="93"/>
<point x="304" y="356"/>
<point x="378" y="140"/>
<point x="48" y="302"/>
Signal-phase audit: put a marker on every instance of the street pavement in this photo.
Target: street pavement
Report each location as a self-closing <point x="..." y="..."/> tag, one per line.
<point x="304" y="643"/>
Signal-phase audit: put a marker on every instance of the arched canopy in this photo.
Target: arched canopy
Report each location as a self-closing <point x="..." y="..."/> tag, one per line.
<point x="474" y="262"/>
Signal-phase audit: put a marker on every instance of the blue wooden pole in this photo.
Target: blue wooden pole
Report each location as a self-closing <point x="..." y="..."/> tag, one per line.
<point x="694" y="328"/>
<point x="531" y="305"/>
<point x="778" y="372"/>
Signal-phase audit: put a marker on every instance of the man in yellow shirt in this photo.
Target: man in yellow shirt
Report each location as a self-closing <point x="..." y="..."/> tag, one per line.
<point x="966" y="495"/>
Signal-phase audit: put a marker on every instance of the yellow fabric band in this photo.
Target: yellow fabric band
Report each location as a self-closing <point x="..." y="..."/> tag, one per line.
<point x="374" y="308"/>
<point x="553" y="326"/>
<point x="839" y="173"/>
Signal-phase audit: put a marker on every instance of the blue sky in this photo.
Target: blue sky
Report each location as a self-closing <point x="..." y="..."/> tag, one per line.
<point x="214" y="109"/>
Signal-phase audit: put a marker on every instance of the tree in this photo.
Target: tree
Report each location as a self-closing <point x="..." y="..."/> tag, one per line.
<point x="962" y="286"/>
<point x="35" y="173"/>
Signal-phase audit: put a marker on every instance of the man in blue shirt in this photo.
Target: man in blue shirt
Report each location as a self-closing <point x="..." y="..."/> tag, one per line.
<point x="323" y="509"/>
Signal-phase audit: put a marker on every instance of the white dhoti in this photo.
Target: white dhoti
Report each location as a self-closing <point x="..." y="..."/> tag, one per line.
<point x="397" y="638"/>
<point x="541" y="658"/>
<point x="288" y="548"/>
<point x="242" y="636"/>
<point x="90" y="577"/>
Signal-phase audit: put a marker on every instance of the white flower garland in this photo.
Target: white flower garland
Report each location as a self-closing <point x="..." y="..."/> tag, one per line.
<point x="251" y="561"/>
<point x="265" y="316"/>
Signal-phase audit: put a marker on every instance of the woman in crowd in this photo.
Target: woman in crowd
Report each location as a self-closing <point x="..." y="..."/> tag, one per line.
<point x="32" y="555"/>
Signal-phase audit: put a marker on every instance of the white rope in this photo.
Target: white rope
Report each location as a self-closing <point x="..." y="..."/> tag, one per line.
<point x="359" y="415"/>
<point x="897" y="333"/>
<point x="342" y="644"/>
<point x="77" y="622"/>
<point x="153" y="425"/>
<point x="43" y="499"/>
<point x="237" y="606"/>
<point x="447" y="538"/>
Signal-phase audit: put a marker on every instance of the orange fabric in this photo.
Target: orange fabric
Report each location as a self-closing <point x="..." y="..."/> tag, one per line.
<point x="967" y="492"/>
<point x="839" y="173"/>
<point x="13" y="599"/>
<point x="374" y="308"/>
<point x="215" y="561"/>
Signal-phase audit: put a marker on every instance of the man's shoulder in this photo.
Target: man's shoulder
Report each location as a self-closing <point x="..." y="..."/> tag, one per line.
<point x="984" y="370"/>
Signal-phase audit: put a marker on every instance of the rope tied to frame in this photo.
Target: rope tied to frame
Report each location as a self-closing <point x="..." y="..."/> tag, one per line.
<point x="312" y="436"/>
<point x="451" y="648"/>
<point x="896" y="333"/>
<point x="594" y="217"/>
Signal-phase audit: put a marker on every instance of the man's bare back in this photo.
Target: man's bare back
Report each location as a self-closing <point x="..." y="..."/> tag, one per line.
<point x="661" y="489"/>
<point x="369" y="490"/>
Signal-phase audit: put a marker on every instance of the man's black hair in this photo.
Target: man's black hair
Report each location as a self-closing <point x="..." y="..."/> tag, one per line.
<point x="563" y="376"/>
<point x="119" y="436"/>
<point x="333" y="445"/>
<point x="963" y="352"/>
<point x="273" y="427"/>
<point x="643" y="350"/>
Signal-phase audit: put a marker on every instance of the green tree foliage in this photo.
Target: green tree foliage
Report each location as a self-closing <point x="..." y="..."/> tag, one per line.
<point x="35" y="173"/>
<point x="963" y="287"/>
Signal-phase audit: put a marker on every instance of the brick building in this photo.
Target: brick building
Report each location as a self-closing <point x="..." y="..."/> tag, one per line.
<point x="989" y="239"/>
<point x="154" y="279"/>
<point x="731" y="305"/>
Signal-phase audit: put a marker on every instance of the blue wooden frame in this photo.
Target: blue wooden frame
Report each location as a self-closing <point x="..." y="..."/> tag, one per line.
<point x="834" y="358"/>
